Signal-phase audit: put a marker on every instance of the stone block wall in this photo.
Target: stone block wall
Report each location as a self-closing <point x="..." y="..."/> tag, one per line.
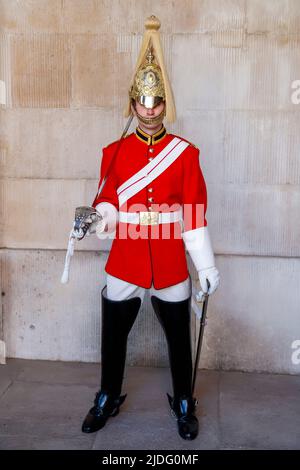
<point x="65" y="66"/>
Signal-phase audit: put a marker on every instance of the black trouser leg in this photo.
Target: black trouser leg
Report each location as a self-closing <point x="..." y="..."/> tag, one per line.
<point x="175" y="320"/>
<point x="117" y="320"/>
<point x="118" y="317"/>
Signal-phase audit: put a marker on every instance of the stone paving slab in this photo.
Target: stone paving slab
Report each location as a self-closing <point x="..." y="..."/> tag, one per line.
<point x="149" y="430"/>
<point x="43" y="404"/>
<point x="9" y="372"/>
<point x="42" y="410"/>
<point x="5" y="382"/>
<point x="44" y="443"/>
<point x="67" y="373"/>
<point x="260" y="411"/>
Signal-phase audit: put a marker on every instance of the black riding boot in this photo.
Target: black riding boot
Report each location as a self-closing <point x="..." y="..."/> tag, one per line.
<point x="118" y="317"/>
<point x="175" y="320"/>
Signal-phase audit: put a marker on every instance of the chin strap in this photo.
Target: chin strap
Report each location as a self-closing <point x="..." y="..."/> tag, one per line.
<point x="148" y="120"/>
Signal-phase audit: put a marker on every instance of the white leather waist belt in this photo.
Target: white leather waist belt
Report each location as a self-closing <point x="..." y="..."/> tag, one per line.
<point x="150" y="217"/>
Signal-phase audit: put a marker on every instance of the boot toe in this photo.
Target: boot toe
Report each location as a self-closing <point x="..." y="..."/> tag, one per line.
<point x="93" y="423"/>
<point x="188" y="427"/>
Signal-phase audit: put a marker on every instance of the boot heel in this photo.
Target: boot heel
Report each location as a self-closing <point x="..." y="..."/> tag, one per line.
<point x="116" y="412"/>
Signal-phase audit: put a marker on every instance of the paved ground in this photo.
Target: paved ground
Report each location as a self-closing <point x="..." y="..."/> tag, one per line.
<point x="42" y="405"/>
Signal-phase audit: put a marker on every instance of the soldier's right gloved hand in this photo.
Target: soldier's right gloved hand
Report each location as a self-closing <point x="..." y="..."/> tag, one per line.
<point x="79" y="233"/>
<point x="86" y="222"/>
<point x="96" y="223"/>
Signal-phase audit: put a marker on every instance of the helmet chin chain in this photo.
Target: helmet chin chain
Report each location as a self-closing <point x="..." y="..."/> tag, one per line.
<point x="156" y="120"/>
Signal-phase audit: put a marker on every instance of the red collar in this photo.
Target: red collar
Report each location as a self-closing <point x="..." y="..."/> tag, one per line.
<point x="151" y="139"/>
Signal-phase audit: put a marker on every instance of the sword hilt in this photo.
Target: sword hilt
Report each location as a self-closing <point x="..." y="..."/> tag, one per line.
<point x="206" y="294"/>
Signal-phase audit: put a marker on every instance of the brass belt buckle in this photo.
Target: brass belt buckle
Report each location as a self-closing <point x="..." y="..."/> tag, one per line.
<point x="149" y="218"/>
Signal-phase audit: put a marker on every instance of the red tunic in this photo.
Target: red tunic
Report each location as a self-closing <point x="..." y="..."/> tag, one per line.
<point x="152" y="254"/>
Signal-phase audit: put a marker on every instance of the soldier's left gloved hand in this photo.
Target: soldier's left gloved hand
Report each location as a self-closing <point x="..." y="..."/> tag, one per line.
<point x="213" y="277"/>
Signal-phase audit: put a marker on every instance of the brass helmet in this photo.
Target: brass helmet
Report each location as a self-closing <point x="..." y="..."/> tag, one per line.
<point x="150" y="83"/>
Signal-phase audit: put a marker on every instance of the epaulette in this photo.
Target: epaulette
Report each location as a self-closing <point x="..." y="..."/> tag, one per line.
<point x="182" y="138"/>
<point x="193" y="145"/>
<point x="112" y="144"/>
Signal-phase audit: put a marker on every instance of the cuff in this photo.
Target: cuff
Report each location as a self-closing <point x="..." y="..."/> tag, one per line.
<point x="109" y="214"/>
<point x="198" y="244"/>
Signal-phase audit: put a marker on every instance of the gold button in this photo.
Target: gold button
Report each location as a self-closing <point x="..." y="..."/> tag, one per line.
<point x="150" y="190"/>
<point x="150" y="199"/>
<point x="150" y="158"/>
<point x="150" y="209"/>
<point x="151" y="150"/>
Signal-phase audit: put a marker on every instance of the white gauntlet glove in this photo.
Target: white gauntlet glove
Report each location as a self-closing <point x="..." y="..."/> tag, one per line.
<point x="86" y="219"/>
<point x="109" y="220"/>
<point x="197" y="243"/>
<point x="96" y="224"/>
<point x="213" y="277"/>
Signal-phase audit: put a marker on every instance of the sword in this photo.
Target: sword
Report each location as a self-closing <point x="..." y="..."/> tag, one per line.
<point x="84" y="213"/>
<point x="84" y="216"/>
<point x="114" y="157"/>
<point x="201" y="314"/>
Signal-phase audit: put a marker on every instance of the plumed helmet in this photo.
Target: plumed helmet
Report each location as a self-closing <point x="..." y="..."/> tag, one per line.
<point x="150" y="83"/>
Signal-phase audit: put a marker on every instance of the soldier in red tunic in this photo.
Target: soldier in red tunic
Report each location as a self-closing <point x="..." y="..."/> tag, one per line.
<point x="152" y="201"/>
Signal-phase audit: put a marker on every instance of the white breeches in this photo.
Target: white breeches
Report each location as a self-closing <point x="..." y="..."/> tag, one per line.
<point x="117" y="289"/>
